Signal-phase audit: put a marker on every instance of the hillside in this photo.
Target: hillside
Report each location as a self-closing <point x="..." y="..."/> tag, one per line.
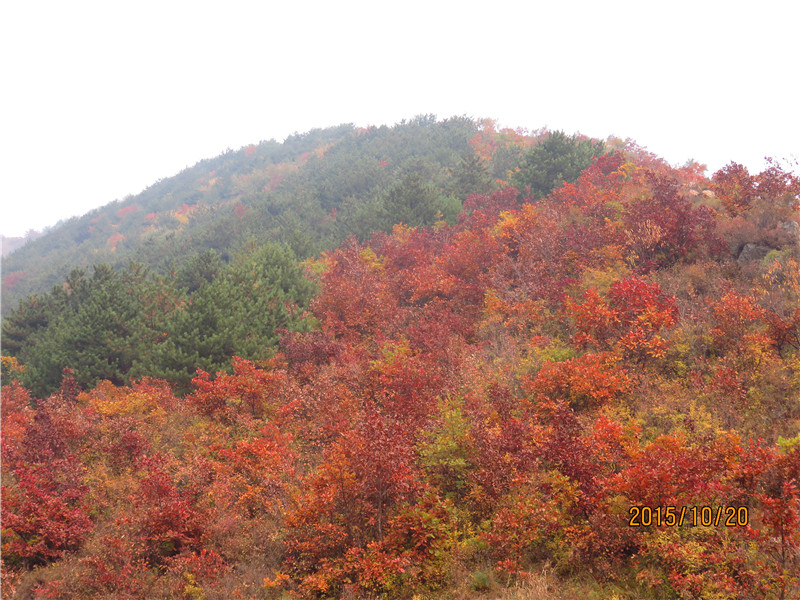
<point x="186" y="266"/>
<point x="511" y="366"/>
<point x="310" y="192"/>
<point x="10" y="244"/>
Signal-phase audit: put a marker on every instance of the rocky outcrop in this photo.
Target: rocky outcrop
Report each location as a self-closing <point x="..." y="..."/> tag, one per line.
<point x="751" y="251"/>
<point x="792" y="229"/>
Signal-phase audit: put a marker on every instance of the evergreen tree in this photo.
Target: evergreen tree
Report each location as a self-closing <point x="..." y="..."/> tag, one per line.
<point x="559" y="158"/>
<point x="471" y="176"/>
<point x="237" y="313"/>
<point x="415" y="199"/>
<point x="91" y="334"/>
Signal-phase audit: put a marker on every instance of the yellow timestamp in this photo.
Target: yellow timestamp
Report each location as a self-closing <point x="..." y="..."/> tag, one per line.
<point x="693" y="516"/>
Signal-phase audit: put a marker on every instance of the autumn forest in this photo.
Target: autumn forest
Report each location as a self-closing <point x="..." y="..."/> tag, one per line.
<point x="434" y="360"/>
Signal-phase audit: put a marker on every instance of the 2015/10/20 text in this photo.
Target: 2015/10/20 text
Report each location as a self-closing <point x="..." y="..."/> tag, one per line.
<point x="677" y="516"/>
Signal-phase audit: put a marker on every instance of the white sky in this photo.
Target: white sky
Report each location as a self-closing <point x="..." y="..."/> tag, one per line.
<point x="101" y="99"/>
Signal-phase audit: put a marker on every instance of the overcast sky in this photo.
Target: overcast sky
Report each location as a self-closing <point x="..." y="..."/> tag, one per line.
<point x="101" y="99"/>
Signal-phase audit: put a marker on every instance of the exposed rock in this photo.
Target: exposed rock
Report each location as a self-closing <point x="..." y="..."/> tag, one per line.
<point x="752" y="251"/>
<point x="792" y="229"/>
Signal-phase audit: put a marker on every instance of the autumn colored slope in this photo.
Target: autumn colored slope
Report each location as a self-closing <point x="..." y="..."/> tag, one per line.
<point x="194" y="301"/>
<point x="309" y="192"/>
<point x="475" y="401"/>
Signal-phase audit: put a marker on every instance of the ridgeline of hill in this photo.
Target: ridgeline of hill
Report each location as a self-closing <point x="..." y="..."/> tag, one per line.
<point x="431" y="360"/>
<point x="190" y="236"/>
<point x="310" y="193"/>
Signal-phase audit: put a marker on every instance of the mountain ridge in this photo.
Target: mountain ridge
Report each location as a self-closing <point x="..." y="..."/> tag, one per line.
<point x="203" y="206"/>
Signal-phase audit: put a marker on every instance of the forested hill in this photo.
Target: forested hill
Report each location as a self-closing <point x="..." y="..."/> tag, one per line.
<point x="175" y="269"/>
<point x="310" y="192"/>
<point x="532" y="366"/>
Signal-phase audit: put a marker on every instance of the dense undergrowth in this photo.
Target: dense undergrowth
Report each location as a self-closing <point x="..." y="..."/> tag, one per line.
<point x="468" y="408"/>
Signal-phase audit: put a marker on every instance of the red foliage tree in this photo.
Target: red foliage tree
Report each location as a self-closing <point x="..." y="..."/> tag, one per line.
<point x="662" y="227"/>
<point x="630" y="320"/>
<point x="44" y="512"/>
<point x="735" y="187"/>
